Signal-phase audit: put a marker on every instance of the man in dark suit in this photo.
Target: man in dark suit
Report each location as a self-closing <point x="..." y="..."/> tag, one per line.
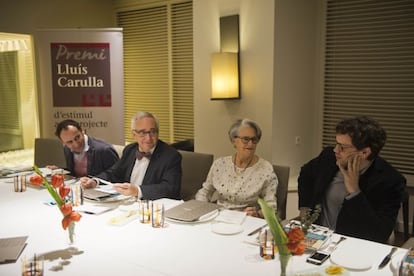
<point x="360" y="193"/>
<point x="148" y="168"/>
<point x="84" y="154"/>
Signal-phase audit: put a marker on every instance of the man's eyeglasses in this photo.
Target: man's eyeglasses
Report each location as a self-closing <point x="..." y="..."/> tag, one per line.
<point x="143" y="133"/>
<point x="343" y="147"/>
<point x="246" y="140"/>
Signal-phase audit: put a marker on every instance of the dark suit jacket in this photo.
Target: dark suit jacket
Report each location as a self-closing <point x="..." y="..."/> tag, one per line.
<point x="101" y="156"/>
<point x="163" y="175"/>
<point x="369" y="215"/>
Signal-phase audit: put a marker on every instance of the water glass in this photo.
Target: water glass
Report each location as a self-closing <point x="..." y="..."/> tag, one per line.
<point x="157" y="215"/>
<point x="267" y="245"/>
<point x="144" y="211"/>
<point x="19" y="183"/>
<point x="76" y="194"/>
<point x="33" y="267"/>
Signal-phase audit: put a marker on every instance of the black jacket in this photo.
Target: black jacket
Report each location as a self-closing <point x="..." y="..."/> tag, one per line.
<point x="162" y="178"/>
<point x="373" y="212"/>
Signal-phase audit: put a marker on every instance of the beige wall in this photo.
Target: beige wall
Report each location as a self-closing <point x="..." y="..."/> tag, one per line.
<point x="279" y="78"/>
<point x="280" y="46"/>
<point x="279" y="67"/>
<point x="26" y="16"/>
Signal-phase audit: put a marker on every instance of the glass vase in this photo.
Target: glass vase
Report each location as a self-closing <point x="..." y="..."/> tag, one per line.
<point x="71" y="233"/>
<point x="284" y="260"/>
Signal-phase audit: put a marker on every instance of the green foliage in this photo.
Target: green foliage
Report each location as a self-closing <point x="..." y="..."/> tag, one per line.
<point x="310" y="217"/>
<point x="276" y="228"/>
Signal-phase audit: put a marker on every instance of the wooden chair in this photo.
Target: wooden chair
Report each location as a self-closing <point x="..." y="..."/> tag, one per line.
<point x="282" y="173"/>
<point x="49" y="151"/>
<point x="195" y="168"/>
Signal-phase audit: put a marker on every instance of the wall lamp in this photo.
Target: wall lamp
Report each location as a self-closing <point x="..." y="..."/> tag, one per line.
<point x="225" y="73"/>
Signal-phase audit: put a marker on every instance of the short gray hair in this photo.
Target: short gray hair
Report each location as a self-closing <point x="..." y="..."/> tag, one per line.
<point x="143" y="114"/>
<point x="235" y="127"/>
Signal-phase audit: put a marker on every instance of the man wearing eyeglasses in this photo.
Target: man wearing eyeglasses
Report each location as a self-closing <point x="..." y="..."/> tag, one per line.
<point x="360" y="193"/>
<point x="84" y="154"/>
<point x="149" y="168"/>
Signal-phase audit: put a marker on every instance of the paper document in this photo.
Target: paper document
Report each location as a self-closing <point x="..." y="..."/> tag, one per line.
<point x="93" y="209"/>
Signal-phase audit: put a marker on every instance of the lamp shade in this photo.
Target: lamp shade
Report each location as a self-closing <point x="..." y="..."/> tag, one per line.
<point x="225" y="76"/>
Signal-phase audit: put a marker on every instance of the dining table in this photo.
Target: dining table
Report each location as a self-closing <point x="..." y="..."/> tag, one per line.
<point x="102" y="247"/>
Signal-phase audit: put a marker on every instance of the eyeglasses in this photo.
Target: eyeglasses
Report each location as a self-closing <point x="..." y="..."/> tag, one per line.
<point x="143" y="133"/>
<point x="246" y="140"/>
<point x="343" y="147"/>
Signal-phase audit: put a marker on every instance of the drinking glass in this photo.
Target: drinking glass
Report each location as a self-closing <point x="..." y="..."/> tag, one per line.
<point x="144" y="211"/>
<point x="157" y="215"/>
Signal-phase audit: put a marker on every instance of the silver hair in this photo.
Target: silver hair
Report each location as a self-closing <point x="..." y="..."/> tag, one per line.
<point x="236" y="126"/>
<point x="143" y="114"/>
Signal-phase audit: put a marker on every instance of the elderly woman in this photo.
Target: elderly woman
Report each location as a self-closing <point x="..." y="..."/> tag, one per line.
<point x="237" y="181"/>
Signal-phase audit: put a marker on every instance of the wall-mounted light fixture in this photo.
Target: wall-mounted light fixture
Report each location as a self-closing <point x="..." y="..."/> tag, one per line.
<point x="225" y="81"/>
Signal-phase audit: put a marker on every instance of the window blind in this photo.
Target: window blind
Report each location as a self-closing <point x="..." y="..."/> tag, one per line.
<point x="369" y="70"/>
<point x="11" y="130"/>
<point x="182" y="77"/>
<point x="158" y="64"/>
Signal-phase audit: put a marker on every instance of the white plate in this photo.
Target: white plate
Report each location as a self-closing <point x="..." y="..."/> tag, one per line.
<point x="226" y="228"/>
<point x="396" y="261"/>
<point x="318" y="271"/>
<point x="202" y="219"/>
<point x="351" y="257"/>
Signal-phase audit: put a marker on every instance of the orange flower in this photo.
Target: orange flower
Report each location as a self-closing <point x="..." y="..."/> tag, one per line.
<point x="297" y="248"/>
<point x="57" y="180"/>
<point x="64" y="191"/>
<point x="66" y="209"/>
<point x="295" y="235"/>
<point x="36" y="180"/>
<point x="295" y="242"/>
<point x="73" y="216"/>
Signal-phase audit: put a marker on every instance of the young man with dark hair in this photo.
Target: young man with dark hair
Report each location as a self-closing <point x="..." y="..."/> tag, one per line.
<point x="360" y="193"/>
<point x="85" y="155"/>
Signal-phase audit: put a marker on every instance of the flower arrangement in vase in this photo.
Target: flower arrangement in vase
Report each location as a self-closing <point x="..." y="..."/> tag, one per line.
<point x="291" y="242"/>
<point x="59" y="192"/>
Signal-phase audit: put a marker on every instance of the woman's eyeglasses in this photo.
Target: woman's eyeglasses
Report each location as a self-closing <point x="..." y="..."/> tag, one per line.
<point x="246" y="140"/>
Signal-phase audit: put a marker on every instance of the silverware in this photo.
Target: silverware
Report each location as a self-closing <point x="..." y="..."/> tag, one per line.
<point x="387" y="258"/>
<point x="333" y="245"/>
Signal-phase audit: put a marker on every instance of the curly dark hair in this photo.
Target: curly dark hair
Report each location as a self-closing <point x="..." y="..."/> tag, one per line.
<point x="65" y="124"/>
<point x="364" y="132"/>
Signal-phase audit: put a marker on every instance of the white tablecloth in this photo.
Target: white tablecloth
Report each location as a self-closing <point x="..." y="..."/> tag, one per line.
<point x="139" y="249"/>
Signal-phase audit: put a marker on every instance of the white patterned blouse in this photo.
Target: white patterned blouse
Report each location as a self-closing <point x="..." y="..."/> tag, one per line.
<point x="236" y="188"/>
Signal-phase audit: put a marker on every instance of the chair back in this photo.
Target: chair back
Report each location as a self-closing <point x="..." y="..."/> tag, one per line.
<point x="195" y="167"/>
<point x="49" y="151"/>
<point x="119" y="149"/>
<point x="282" y="173"/>
<point x="405" y="207"/>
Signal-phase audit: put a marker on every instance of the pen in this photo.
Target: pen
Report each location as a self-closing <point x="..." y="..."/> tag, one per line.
<point x="256" y="230"/>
